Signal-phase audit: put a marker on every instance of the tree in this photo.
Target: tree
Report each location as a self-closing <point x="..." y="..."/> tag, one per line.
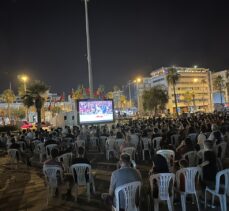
<point x="18" y="113"/>
<point x="55" y="110"/>
<point x="203" y="81"/>
<point x="172" y="78"/>
<point x="36" y="95"/>
<point x="100" y="92"/>
<point x="115" y="88"/>
<point x="155" y="98"/>
<point x="219" y="85"/>
<point x="123" y="101"/>
<point x="109" y="95"/>
<point x="84" y="93"/>
<point x="227" y="81"/>
<point x="9" y="97"/>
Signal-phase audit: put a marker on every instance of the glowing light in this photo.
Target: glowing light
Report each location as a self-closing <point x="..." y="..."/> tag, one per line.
<point x="139" y="80"/>
<point x="195" y="80"/>
<point x="24" y="78"/>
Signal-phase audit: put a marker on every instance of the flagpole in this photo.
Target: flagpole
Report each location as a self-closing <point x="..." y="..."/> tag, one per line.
<point x="90" y="76"/>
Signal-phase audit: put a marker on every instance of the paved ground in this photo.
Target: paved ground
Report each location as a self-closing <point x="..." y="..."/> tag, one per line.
<point x="24" y="189"/>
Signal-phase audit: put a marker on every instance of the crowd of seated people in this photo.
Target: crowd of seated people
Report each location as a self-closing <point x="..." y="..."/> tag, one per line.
<point x="198" y="133"/>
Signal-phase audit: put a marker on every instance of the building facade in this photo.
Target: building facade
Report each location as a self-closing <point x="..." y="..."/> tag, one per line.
<point x="193" y="90"/>
<point x="225" y="93"/>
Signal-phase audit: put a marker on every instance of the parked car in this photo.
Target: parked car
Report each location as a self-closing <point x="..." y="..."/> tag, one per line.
<point x="26" y="125"/>
<point x="45" y="126"/>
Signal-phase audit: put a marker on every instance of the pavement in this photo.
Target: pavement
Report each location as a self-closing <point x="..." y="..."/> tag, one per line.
<point x="24" y="189"/>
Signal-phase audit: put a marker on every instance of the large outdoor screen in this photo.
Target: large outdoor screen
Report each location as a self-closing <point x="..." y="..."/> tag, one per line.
<point x="95" y="111"/>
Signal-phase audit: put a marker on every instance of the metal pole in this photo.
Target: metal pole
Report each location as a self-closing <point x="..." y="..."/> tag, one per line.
<point x="130" y="94"/>
<point x="90" y="77"/>
<point x="194" y="101"/>
<point x="138" y="96"/>
<point x="26" y="109"/>
<point x="25" y="87"/>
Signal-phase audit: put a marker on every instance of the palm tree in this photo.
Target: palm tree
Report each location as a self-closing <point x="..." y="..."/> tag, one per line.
<point x="101" y="91"/>
<point x="188" y="98"/>
<point x="155" y="98"/>
<point x="227" y="81"/>
<point x="8" y="96"/>
<point x="36" y="94"/>
<point x="109" y="95"/>
<point x="172" y="78"/>
<point x="219" y="84"/>
<point x="203" y="81"/>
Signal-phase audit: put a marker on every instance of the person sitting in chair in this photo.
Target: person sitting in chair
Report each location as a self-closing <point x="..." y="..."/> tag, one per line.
<point x="119" y="177"/>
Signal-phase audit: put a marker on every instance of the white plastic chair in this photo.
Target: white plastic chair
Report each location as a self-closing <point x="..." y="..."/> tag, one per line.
<point x="102" y="142"/>
<point x="163" y="182"/>
<point x="66" y="160"/>
<point x="146" y="147"/>
<point x="80" y="179"/>
<point x="130" y="191"/>
<point x="130" y="151"/>
<point x="48" y="150"/>
<point x="51" y="178"/>
<point x="41" y="151"/>
<point x="80" y="143"/>
<point x="190" y="184"/>
<point x="133" y="163"/>
<point x="94" y="142"/>
<point x="118" y="142"/>
<point x="35" y="143"/>
<point x="134" y="139"/>
<point x="174" y="139"/>
<point x="169" y="155"/>
<point x="109" y="148"/>
<point x="191" y="157"/>
<point x="220" y="150"/>
<point x="155" y="143"/>
<point x="218" y="192"/>
<point x="13" y="157"/>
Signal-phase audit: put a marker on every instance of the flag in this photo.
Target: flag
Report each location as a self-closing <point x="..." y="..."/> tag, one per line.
<point x="88" y="91"/>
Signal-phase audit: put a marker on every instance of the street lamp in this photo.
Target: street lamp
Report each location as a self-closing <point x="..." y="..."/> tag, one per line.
<point x="195" y="80"/>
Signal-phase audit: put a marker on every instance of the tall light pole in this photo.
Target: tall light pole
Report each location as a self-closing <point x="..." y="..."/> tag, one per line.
<point x="195" y="80"/>
<point x="90" y="76"/>
<point x="137" y="81"/>
<point x="24" y="79"/>
<point x="129" y="83"/>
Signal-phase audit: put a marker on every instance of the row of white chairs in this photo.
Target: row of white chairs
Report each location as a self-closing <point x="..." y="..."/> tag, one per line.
<point x="51" y="176"/>
<point x="164" y="181"/>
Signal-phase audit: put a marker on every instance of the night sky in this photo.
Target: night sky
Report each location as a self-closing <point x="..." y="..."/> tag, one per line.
<point x="46" y="39"/>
